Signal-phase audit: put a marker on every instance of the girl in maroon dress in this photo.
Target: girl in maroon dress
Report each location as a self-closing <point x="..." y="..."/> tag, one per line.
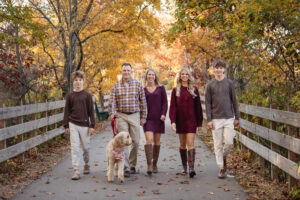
<point x="157" y="105"/>
<point x="186" y="116"/>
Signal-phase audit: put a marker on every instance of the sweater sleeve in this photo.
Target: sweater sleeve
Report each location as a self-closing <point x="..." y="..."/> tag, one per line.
<point x="208" y="103"/>
<point x="67" y="112"/>
<point x="235" y="103"/>
<point x="164" y="101"/>
<point x="91" y="112"/>
<point x="199" y="113"/>
<point x="172" y="111"/>
<point x="143" y="102"/>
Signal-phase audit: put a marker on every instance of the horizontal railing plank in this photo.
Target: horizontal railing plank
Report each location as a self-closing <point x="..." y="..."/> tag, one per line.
<point x="17" y="111"/>
<point x="286" y="141"/>
<point x="286" y="117"/>
<point x="283" y="163"/>
<point x="21" y="147"/>
<point x="15" y="130"/>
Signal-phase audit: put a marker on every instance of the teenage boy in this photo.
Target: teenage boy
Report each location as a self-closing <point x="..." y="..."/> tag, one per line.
<point x="79" y="122"/>
<point x="220" y="102"/>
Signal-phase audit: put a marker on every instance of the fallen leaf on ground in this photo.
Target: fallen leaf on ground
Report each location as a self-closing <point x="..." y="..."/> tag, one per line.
<point x="156" y="192"/>
<point x="184" y="182"/>
<point x="141" y="193"/>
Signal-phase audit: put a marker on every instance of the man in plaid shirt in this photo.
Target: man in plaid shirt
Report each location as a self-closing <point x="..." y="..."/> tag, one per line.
<point x="128" y="104"/>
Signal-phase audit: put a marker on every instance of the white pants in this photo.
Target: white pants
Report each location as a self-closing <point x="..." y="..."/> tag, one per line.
<point x="80" y="141"/>
<point x="222" y="127"/>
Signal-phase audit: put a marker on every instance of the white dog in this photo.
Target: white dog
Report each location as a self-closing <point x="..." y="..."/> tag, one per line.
<point x="116" y="155"/>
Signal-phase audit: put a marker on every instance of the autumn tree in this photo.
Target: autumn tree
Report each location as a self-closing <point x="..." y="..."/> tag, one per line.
<point x="18" y="73"/>
<point x="257" y="38"/>
<point x="73" y="23"/>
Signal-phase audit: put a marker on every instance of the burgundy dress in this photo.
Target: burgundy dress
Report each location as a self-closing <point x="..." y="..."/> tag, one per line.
<point x="157" y="105"/>
<point x="185" y="111"/>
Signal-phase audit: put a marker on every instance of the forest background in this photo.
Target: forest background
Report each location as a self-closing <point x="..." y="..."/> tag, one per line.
<point x="43" y="41"/>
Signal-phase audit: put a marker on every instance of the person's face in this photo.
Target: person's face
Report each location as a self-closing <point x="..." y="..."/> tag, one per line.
<point x="197" y="73"/>
<point x="184" y="76"/>
<point x="150" y="77"/>
<point x="126" y="72"/>
<point x="78" y="83"/>
<point x="219" y="70"/>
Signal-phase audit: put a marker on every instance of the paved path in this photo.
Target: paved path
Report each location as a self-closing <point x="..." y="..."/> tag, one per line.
<point x="167" y="184"/>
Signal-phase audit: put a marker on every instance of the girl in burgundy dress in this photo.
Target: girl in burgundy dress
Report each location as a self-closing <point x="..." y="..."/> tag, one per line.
<point x="157" y="105"/>
<point x="186" y="116"/>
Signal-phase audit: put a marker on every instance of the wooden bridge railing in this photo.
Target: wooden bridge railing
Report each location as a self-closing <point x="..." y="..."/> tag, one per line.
<point x="25" y="127"/>
<point x="254" y="136"/>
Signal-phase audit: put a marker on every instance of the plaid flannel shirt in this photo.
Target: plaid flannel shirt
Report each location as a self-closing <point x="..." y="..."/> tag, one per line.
<point x="128" y="98"/>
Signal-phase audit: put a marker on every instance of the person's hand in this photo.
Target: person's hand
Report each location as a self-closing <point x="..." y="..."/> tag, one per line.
<point x="91" y="131"/>
<point x="199" y="128"/>
<point x="112" y="116"/>
<point x="173" y="126"/>
<point x="143" y="121"/>
<point x="67" y="131"/>
<point x="162" y="118"/>
<point x="210" y="125"/>
<point x="236" y="123"/>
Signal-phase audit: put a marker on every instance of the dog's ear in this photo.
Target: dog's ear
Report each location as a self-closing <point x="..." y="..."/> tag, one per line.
<point x="118" y="140"/>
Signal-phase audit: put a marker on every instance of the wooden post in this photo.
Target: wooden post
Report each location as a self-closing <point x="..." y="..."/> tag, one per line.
<point x="3" y="165"/>
<point x="274" y="147"/>
<point x="291" y="131"/>
<point x="21" y="137"/>
<point x="249" y="134"/>
<point x="261" y="161"/>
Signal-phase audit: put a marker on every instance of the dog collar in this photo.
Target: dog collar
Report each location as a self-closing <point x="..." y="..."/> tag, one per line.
<point x="119" y="155"/>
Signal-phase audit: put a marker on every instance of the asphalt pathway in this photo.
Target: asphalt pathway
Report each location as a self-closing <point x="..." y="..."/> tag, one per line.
<point x="167" y="184"/>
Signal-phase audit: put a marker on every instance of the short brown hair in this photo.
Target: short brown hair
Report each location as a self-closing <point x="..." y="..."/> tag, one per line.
<point x="79" y="74"/>
<point x="219" y="63"/>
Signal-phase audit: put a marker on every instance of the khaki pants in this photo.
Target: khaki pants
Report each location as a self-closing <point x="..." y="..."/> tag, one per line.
<point x="80" y="141"/>
<point x="130" y="123"/>
<point x="222" y="127"/>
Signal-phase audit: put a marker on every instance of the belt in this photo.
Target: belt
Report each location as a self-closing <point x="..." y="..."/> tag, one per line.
<point x="128" y="113"/>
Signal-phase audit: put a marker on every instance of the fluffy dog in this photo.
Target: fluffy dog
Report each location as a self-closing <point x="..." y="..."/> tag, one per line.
<point x="115" y="155"/>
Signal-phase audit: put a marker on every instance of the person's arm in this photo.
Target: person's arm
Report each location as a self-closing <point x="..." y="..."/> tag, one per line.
<point x="164" y="103"/>
<point x="67" y="114"/>
<point x="208" y="106"/>
<point x="235" y="106"/>
<point x="143" y="105"/>
<point x="112" y="103"/>
<point x="199" y="113"/>
<point x="91" y="112"/>
<point x="172" y="110"/>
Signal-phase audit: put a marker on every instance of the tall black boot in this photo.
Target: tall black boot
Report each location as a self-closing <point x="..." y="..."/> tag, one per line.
<point x="191" y="159"/>
<point x="183" y="155"/>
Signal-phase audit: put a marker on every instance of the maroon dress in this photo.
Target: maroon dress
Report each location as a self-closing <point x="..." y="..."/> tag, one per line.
<point x="185" y="111"/>
<point x="157" y="105"/>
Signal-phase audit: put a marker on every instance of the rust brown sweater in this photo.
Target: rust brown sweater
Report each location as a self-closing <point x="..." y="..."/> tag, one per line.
<point x="79" y="109"/>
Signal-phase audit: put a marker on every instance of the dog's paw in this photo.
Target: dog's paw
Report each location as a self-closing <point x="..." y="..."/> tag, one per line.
<point x="110" y="180"/>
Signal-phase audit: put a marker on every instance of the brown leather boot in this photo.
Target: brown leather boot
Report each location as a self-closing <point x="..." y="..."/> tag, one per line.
<point x="148" y="152"/>
<point x="183" y="155"/>
<point x="156" y="149"/>
<point x="191" y="159"/>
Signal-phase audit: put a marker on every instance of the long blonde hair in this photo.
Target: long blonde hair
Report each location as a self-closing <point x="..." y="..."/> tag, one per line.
<point x="157" y="82"/>
<point x="190" y="88"/>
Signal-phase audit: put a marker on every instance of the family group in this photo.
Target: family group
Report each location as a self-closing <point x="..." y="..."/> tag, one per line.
<point x="133" y="104"/>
